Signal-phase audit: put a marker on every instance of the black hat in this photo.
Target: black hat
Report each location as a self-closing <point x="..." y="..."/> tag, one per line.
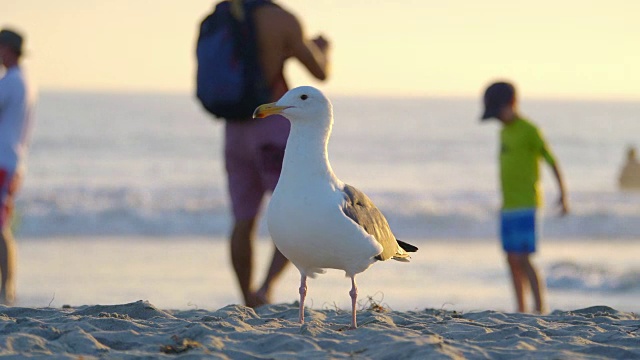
<point x="11" y="39"/>
<point x="496" y="96"/>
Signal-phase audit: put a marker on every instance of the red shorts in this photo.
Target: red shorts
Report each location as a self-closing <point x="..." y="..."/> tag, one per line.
<point x="7" y="190"/>
<point x="253" y="153"/>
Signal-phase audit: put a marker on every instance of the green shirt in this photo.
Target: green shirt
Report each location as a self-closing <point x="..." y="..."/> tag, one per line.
<point x="521" y="147"/>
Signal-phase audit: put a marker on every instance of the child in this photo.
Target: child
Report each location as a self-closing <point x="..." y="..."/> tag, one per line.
<point x="521" y="148"/>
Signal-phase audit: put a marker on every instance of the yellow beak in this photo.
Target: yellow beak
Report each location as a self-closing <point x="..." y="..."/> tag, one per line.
<point x="265" y="110"/>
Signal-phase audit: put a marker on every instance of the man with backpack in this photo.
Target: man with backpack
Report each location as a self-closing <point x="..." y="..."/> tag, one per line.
<point x="254" y="148"/>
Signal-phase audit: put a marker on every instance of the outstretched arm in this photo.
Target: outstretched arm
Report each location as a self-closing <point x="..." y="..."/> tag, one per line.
<point x="313" y="54"/>
<point x="281" y="36"/>
<point x="562" y="201"/>
<point x="550" y="159"/>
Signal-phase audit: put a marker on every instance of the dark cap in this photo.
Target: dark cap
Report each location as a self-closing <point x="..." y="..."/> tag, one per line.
<point x="11" y="39"/>
<point x="496" y="96"/>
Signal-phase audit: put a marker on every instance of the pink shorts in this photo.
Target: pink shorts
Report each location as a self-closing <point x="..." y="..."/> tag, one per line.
<point x="6" y="196"/>
<point x="253" y="153"/>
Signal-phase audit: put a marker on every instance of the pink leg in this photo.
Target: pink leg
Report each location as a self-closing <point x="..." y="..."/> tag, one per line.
<point x="354" y="296"/>
<point x="303" y="294"/>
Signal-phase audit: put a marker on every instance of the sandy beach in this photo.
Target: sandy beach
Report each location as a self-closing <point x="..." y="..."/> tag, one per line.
<point x="436" y="309"/>
<point x="185" y="272"/>
<point x="141" y="330"/>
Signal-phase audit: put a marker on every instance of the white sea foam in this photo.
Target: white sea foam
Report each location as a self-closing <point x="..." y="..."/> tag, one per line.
<point x="569" y="275"/>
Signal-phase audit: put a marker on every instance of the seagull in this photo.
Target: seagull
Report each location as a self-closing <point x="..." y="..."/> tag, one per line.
<point x="317" y="221"/>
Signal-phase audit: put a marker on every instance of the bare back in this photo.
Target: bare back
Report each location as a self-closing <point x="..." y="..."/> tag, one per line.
<point x="280" y="36"/>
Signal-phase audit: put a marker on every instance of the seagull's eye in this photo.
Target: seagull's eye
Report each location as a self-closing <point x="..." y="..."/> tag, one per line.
<point x="304" y="97"/>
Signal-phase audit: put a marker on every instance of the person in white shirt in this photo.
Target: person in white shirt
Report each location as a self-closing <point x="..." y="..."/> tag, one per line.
<point x="16" y="104"/>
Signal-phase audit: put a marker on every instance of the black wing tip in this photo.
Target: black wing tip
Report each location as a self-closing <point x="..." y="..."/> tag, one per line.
<point x="406" y="246"/>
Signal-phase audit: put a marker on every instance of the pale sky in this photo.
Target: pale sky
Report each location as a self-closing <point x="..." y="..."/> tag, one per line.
<point x="550" y="48"/>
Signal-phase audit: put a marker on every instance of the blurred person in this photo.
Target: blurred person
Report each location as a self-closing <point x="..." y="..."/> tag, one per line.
<point x="630" y="175"/>
<point x="522" y="146"/>
<point x="254" y="148"/>
<point x="16" y="104"/>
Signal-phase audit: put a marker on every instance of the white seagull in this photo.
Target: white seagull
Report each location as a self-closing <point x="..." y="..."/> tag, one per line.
<point x="314" y="219"/>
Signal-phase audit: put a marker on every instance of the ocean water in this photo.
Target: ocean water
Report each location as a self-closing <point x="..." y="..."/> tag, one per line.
<point x="149" y="166"/>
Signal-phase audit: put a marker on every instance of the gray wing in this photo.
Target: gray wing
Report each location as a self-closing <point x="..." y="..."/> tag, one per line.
<point x="359" y="208"/>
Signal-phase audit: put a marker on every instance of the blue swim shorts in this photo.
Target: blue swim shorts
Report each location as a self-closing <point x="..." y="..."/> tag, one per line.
<point x="518" y="230"/>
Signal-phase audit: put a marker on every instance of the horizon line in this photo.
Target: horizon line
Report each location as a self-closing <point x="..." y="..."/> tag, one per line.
<point x="343" y="94"/>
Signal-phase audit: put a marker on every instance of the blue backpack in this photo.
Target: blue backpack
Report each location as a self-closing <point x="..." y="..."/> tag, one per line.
<point x="230" y="83"/>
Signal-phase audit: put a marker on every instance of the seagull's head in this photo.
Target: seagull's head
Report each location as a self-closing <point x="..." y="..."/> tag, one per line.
<point x="300" y="105"/>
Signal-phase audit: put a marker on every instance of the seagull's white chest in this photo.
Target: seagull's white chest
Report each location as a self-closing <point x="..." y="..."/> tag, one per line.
<point x="307" y="224"/>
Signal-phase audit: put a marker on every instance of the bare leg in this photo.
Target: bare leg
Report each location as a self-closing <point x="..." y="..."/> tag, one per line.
<point x="7" y="266"/>
<point x="354" y="296"/>
<point x="242" y="257"/>
<point x="536" y="287"/>
<point x="278" y="264"/>
<point x="518" y="278"/>
<point x="303" y="295"/>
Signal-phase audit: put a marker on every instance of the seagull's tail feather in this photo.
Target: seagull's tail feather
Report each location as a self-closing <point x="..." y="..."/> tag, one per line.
<point x="406" y="246"/>
<point x="402" y="254"/>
